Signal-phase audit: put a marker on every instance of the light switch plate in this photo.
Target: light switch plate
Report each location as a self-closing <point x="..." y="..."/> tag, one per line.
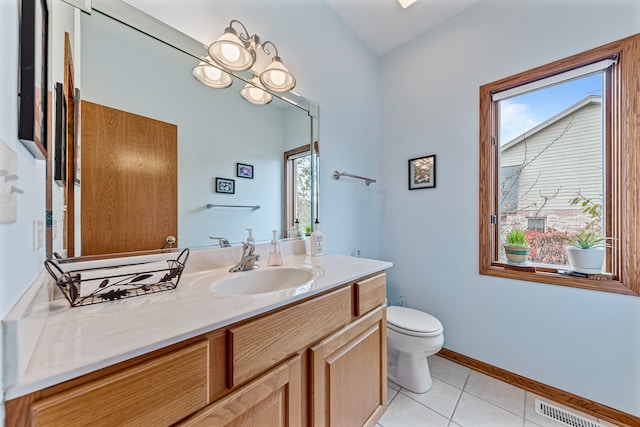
<point x="8" y="185"/>
<point x="38" y="234"/>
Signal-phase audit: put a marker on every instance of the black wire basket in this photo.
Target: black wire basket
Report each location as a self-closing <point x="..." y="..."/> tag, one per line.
<point x="96" y="285"/>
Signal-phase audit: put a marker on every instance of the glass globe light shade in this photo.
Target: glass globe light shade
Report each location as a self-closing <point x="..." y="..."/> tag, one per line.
<point x="231" y="53"/>
<point x="211" y="76"/>
<point x="276" y="77"/>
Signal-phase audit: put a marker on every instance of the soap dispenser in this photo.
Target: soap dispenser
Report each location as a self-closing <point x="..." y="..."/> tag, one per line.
<point x="317" y="240"/>
<point x="275" y="258"/>
<point x="250" y="238"/>
<point x="296" y="227"/>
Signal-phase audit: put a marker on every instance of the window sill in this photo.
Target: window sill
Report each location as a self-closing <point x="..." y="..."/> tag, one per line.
<point x="553" y="278"/>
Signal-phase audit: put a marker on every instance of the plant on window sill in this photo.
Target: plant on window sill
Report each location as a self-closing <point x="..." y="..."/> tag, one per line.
<point x="517" y="247"/>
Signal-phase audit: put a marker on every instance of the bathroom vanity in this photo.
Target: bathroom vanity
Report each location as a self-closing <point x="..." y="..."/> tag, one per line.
<point x="192" y="357"/>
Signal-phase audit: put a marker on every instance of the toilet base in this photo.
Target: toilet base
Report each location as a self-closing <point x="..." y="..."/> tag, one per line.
<point x="410" y="371"/>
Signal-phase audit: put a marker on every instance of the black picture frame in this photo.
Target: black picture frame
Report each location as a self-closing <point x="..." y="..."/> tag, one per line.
<point x="60" y="149"/>
<point x="33" y="103"/>
<point x="422" y="172"/>
<point x="244" y="170"/>
<point x="225" y="185"/>
<point x="76" y="135"/>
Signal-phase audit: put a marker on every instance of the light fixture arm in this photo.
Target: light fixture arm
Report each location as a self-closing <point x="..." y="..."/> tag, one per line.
<point x="244" y="36"/>
<point x="266" y="50"/>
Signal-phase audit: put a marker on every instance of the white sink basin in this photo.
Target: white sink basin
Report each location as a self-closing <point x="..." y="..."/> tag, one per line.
<point x="262" y="280"/>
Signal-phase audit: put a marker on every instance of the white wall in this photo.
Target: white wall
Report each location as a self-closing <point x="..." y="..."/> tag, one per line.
<point x="20" y="263"/>
<point x="584" y="342"/>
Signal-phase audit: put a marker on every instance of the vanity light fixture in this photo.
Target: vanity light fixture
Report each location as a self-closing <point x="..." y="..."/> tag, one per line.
<point x="406" y="3"/>
<point x="236" y="51"/>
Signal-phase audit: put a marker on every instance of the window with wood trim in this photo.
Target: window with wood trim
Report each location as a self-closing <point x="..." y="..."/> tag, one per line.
<point x="298" y="188"/>
<point x="574" y="161"/>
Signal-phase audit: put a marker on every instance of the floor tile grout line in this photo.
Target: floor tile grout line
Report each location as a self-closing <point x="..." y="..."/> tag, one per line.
<point x="426" y="406"/>
<point x="498" y="406"/>
<point x="524" y="407"/>
<point x="455" y="408"/>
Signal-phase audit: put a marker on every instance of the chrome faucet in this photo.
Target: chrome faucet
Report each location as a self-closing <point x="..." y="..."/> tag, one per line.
<point x="224" y="243"/>
<point x="248" y="260"/>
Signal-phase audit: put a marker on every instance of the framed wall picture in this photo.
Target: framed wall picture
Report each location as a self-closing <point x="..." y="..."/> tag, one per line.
<point x="422" y="172"/>
<point x="224" y="185"/>
<point x="60" y="150"/>
<point x="32" y="75"/>
<point x="76" y="136"/>
<point x="244" y="170"/>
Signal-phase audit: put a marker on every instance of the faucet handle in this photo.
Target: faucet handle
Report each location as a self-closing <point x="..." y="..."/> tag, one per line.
<point x="252" y="248"/>
<point x="224" y="243"/>
<point x="247" y="249"/>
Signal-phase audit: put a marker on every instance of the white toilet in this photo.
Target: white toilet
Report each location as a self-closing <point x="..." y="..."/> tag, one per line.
<point x="412" y="335"/>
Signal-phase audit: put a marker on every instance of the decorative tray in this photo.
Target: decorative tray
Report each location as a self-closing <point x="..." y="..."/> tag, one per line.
<point x="96" y="285"/>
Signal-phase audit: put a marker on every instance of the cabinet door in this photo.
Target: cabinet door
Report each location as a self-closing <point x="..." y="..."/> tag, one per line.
<point x="349" y="374"/>
<point x="273" y="399"/>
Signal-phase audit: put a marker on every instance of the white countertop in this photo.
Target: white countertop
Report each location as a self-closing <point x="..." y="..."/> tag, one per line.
<point x="75" y="341"/>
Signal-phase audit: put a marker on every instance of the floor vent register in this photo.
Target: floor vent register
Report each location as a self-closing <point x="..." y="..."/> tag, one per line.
<point x="562" y="416"/>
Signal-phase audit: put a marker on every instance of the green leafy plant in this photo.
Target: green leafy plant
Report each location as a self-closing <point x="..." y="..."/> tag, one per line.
<point x="516" y="237"/>
<point x="588" y="206"/>
<point x="586" y="240"/>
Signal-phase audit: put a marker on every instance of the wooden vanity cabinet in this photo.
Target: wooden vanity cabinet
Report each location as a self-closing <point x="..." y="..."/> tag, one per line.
<point x="320" y="362"/>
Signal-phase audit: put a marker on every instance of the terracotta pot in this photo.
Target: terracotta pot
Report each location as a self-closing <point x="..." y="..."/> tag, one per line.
<point x="516" y="255"/>
<point x="588" y="261"/>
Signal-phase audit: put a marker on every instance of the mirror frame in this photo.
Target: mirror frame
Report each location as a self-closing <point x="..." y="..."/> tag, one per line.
<point x="152" y="27"/>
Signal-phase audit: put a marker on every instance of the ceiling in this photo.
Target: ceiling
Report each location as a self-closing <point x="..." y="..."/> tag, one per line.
<point x="382" y="24"/>
<point x="385" y="25"/>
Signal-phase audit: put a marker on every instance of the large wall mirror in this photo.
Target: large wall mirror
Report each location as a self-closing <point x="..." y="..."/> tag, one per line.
<point x="132" y="64"/>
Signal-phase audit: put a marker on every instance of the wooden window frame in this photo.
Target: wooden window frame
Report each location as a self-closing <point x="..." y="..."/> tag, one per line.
<point x="622" y="176"/>
<point x="289" y="185"/>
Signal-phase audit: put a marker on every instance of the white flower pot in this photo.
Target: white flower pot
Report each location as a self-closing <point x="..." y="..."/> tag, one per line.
<point x="588" y="261"/>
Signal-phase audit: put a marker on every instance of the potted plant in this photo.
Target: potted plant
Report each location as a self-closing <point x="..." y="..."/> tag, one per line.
<point x="517" y="247"/>
<point x="586" y="252"/>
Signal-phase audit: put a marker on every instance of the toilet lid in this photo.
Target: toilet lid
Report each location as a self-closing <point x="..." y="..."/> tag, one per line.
<point x="412" y="320"/>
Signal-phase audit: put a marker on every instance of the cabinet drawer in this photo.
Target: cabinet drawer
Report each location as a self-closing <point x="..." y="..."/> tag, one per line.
<point x="262" y="343"/>
<point x="158" y="392"/>
<point x="370" y="293"/>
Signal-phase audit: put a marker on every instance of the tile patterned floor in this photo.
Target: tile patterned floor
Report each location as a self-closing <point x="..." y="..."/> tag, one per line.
<point x="461" y="397"/>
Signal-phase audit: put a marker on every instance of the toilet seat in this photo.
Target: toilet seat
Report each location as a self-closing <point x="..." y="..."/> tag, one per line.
<point x="412" y="322"/>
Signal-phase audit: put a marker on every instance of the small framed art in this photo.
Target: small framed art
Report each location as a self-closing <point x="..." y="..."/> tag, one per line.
<point x="244" y="170"/>
<point x="224" y="185"/>
<point x="33" y="92"/>
<point x="422" y="172"/>
<point x="60" y="152"/>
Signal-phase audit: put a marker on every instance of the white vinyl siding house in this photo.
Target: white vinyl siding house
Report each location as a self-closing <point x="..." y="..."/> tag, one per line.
<point x="556" y="160"/>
